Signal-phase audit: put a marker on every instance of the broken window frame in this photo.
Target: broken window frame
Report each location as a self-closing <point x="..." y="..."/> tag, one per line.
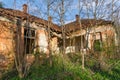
<point x="29" y="39"/>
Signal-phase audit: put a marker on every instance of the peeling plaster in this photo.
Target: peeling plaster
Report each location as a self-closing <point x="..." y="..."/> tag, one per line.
<point x="42" y="41"/>
<point x="4" y="19"/>
<point x="2" y="46"/>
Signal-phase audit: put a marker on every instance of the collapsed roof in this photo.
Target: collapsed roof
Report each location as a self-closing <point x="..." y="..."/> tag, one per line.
<point x="11" y="14"/>
<point x="75" y="25"/>
<point x="70" y="27"/>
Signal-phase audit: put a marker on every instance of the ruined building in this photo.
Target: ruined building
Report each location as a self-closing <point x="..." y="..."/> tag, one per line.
<point x="18" y="29"/>
<point x="86" y="33"/>
<point x="23" y="33"/>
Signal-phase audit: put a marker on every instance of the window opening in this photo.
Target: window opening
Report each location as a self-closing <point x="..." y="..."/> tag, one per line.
<point x="29" y="40"/>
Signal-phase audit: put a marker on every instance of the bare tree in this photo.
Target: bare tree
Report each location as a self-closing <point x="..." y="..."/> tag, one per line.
<point x="62" y="24"/>
<point x="1" y="5"/>
<point x="49" y="3"/>
<point x="22" y="60"/>
<point x="81" y="40"/>
<point x="100" y="9"/>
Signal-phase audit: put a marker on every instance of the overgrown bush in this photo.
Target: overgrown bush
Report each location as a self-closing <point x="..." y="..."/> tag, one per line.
<point x="64" y="68"/>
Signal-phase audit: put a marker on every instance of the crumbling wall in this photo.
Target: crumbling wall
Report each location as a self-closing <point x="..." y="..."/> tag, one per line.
<point x="54" y="44"/>
<point x="6" y="45"/>
<point x="105" y="34"/>
<point x="42" y="40"/>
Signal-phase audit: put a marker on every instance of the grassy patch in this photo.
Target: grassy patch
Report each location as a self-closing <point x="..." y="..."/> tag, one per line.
<point x="63" y="68"/>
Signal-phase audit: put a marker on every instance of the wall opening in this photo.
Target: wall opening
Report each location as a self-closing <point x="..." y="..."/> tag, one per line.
<point x="29" y="40"/>
<point x="97" y="45"/>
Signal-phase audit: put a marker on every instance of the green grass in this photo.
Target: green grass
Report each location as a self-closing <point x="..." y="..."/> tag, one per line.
<point x="113" y="74"/>
<point x="64" y="68"/>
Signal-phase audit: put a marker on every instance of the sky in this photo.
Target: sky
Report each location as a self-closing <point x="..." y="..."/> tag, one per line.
<point x="39" y="8"/>
<point x="36" y="7"/>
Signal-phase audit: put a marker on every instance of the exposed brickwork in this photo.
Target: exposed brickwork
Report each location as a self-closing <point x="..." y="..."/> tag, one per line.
<point x="6" y="45"/>
<point x="54" y="43"/>
<point x="25" y="10"/>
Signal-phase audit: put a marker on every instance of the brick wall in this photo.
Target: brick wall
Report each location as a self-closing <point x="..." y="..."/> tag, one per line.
<point x="6" y="45"/>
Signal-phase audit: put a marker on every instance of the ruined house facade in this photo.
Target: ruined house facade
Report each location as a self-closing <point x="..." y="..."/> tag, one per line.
<point x="18" y="29"/>
<point x="23" y="33"/>
<point x="89" y="34"/>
